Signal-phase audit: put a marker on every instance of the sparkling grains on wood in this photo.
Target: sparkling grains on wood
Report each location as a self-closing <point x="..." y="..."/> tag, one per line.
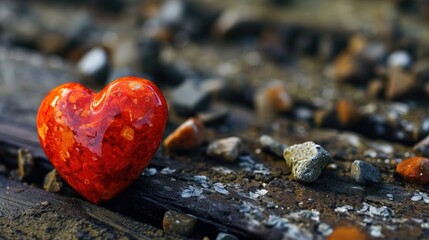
<point x="307" y="160"/>
<point x="187" y="136"/>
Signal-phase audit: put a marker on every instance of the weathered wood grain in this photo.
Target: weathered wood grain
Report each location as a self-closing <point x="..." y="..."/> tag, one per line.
<point x="28" y="212"/>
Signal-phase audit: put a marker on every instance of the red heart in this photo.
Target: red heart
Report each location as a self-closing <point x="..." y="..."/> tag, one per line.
<point x="101" y="142"/>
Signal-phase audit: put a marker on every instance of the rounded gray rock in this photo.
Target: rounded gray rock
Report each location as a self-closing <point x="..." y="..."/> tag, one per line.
<point x="307" y="160"/>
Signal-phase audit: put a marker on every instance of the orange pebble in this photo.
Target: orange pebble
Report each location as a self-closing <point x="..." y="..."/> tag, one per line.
<point x="347" y="232"/>
<point x="414" y="170"/>
<point x="279" y="98"/>
<point x="347" y="112"/>
<point x="187" y="136"/>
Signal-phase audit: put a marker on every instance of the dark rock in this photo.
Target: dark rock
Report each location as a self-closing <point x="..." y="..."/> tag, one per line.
<point x="271" y="145"/>
<point x="25" y="162"/>
<point x="365" y="173"/>
<point x="94" y="66"/>
<point x="227" y="149"/>
<point x="179" y="223"/>
<point x="189" y="98"/>
<point x="53" y="182"/>
<point x="307" y="160"/>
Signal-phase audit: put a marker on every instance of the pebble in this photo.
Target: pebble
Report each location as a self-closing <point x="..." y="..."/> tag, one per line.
<point x="25" y="162"/>
<point x="278" y="97"/>
<point x="272" y="98"/>
<point x="307" y="160"/>
<point x="347" y="232"/>
<point x="347" y="67"/>
<point x="225" y="236"/>
<point x="227" y="149"/>
<point x="53" y="182"/>
<point x="414" y="170"/>
<point x="94" y="65"/>
<point x="400" y="59"/>
<point x="187" y="136"/>
<point x="179" y="223"/>
<point x="399" y="83"/>
<point x="347" y="112"/>
<point x="365" y="173"/>
<point x="271" y="145"/>
<point x="188" y="99"/>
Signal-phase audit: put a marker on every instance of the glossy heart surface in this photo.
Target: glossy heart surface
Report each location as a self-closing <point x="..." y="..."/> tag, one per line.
<point x="101" y="142"/>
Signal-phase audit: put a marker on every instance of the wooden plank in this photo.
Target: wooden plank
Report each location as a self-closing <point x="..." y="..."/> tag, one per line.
<point x="29" y="212"/>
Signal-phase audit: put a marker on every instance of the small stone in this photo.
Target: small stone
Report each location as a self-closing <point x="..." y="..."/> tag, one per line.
<point x="53" y="182"/>
<point x="414" y="170"/>
<point x="399" y="59"/>
<point x="148" y="172"/>
<point x="44" y="203"/>
<point x="307" y="160"/>
<point x="271" y="145"/>
<point x="94" y="65"/>
<point x="189" y="99"/>
<point x="347" y="232"/>
<point x="227" y="149"/>
<point x="25" y="162"/>
<point x="272" y="98"/>
<point x="226" y="236"/>
<point x="347" y="112"/>
<point x="179" y="223"/>
<point x="278" y="97"/>
<point x="365" y="173"/>
<point x="347" y="67"/>
<point x="187" y="136"/>
<point x="399" y="83"/>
